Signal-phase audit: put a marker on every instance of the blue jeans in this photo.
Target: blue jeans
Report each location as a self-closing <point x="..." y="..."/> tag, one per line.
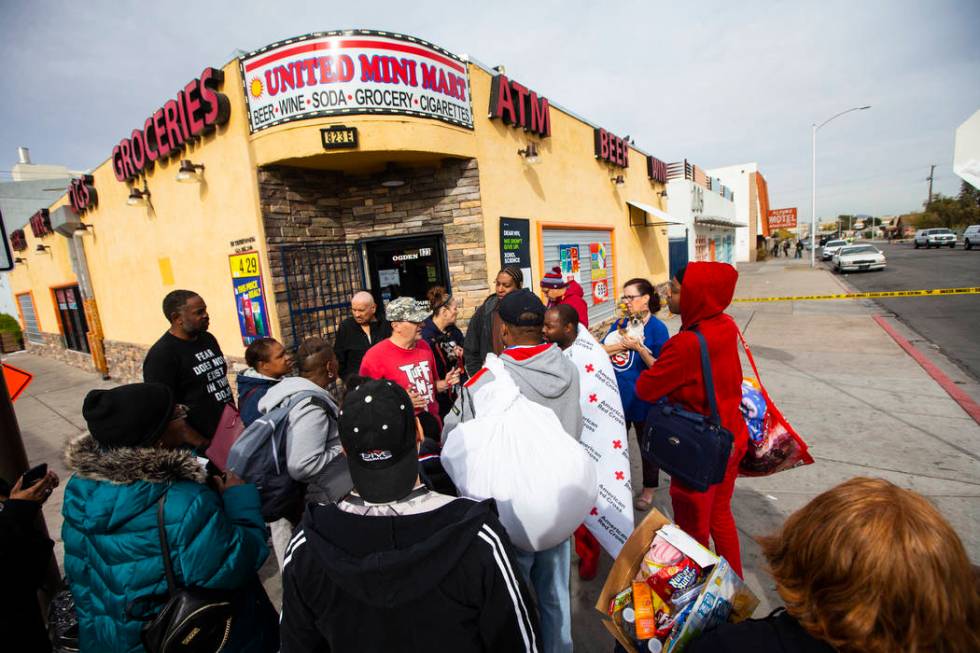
<point x="547" y="572"/>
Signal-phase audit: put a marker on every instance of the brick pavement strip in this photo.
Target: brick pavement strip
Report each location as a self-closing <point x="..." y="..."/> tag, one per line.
<point x="863" y="405"/>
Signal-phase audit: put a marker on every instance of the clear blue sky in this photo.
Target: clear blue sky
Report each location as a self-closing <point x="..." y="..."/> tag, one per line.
<point x="715" y="82"/>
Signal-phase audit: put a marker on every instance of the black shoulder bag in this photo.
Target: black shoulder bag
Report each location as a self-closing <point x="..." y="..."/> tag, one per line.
<point x="689" y="446"/>
<point x="193" y="620"/>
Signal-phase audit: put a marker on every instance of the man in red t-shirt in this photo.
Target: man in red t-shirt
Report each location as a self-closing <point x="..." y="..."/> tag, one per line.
<point x="407" y="360"/>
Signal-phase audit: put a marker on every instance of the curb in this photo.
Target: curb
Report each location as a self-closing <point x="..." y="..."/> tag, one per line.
<point x="955" y="392"/>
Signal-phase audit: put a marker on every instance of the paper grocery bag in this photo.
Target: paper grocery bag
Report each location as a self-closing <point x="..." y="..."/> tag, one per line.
<point x="624" y="570"/>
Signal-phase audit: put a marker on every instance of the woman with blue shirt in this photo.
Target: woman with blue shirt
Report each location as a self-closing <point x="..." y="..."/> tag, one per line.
<point x="630" y="356"/>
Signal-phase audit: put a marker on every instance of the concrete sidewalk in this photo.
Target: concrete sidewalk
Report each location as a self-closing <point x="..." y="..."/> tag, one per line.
<point x="861" y="403"/>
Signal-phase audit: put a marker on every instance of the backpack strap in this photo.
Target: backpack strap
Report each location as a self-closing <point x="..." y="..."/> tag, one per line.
<point x="709" y="384"/>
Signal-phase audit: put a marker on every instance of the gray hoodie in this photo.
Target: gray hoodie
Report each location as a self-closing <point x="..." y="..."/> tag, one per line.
<point x="313" y="452"/>
<point x="543" y="375"/>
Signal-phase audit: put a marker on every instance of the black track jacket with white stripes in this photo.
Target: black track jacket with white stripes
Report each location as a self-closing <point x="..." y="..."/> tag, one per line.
<point x="443" y="580"/>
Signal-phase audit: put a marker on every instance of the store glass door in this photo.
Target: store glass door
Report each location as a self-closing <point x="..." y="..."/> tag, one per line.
<point x="71" y="315"/>
<point x="399" y="267"/>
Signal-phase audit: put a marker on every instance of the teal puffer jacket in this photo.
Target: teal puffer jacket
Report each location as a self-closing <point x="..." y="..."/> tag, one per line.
<point x="112" y="545"/>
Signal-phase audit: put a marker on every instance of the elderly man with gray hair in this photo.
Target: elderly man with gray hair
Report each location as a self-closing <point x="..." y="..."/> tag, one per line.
<point x="359" y="333"/>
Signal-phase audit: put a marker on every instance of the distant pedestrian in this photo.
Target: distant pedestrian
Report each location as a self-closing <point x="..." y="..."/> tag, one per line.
<point x="268" y="362"/>
<point x="407" y="360"/>
<point x="775" y="248"/>
<point x="396" y="566"/>
<point x="799" y="249"/>
<point x="134" y="467"/>
<point x="358" y="333"/>
<point x="560" y="290"/>
<point x="707" y="290"/>
<point x="188" y="360"/>
<point x="483" y="335"/>
<point x="786" y="248"/>
<point x="445" y="339"/>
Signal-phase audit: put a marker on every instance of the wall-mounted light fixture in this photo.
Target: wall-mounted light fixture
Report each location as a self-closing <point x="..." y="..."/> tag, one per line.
<point x="20" y="260"/>
<point x="139" y="197"/>
<point x="662" y="193"/>
<point x="42" y="248"/>
<point x="391" y="177"/>
<point x="189" y="171"/>
<point x="619" y="180"/>
<point x="83" y="228"/>
<point x="530" y="154"/>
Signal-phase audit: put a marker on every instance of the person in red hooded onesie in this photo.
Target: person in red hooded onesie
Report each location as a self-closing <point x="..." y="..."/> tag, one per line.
<point x="700" y="293"/>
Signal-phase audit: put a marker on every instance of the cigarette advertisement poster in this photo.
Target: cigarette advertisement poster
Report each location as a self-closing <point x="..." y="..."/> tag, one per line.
<point x="246" y="283"/>
<point x="597" y="253"/>
<point x="569" y="260"/>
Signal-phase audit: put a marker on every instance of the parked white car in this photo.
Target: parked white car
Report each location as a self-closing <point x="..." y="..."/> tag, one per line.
<point x="935" y="238"/>
<point x="830" y="248"/>
<point x="858" y="257"/>
<point x="971" y="236"/>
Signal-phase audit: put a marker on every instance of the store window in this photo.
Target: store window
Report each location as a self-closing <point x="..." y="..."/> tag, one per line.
<point x="399" y="267"/>
<point x="71" y="318"/>
<point x="587" y="256"/>
<point x="32" y="330"/>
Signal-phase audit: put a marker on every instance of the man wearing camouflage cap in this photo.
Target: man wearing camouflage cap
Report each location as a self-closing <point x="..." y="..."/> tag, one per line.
<point x="407" y="360"/>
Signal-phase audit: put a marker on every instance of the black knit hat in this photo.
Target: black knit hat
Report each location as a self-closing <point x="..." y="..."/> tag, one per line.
<point x="133" y="415"/>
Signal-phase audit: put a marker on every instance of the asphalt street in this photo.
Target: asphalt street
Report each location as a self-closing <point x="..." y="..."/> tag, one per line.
<point x="950" y="323"/>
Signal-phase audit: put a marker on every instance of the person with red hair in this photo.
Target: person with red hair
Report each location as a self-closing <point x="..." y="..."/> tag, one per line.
<point x="676" y="374"/>
<point x="864" y="567"/>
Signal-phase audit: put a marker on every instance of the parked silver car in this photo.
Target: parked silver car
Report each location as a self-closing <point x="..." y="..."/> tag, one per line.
<point x="941" y="237"/>
<point x="830" y="248"/>
<point x="971" y="236"/>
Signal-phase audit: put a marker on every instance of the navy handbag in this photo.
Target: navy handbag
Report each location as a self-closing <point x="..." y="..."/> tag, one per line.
<point x="691" y="447"/>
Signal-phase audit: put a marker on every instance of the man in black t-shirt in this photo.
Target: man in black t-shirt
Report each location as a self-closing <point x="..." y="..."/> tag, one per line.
<point x="188" y="360"/>
<point x="358" y="333"/>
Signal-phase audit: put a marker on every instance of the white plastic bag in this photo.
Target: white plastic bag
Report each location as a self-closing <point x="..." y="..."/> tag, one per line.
<point x="516" y="452"/>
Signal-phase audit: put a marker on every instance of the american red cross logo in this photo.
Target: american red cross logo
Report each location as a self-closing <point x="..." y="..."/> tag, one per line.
<point x="590" y="368"/>
<point x="593" y="398"/>
<point x="617" y="444"/>
<point x="594" y="512"/>
<point x="620" y="476"/>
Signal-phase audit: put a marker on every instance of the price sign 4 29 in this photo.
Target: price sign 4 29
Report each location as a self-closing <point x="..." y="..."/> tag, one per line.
<point x="245" y="265"/>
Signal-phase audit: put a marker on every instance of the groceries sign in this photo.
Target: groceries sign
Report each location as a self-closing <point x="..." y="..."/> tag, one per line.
<point x="354" y="72"/>
<point x="782" y="218"/>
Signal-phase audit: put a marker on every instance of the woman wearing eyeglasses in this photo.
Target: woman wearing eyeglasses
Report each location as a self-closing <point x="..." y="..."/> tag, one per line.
<point x="445" y="339"/>
<point x="633" y="343"/>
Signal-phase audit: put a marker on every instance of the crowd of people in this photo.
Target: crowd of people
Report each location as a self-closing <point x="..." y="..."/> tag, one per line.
<point x="375" y="548"/>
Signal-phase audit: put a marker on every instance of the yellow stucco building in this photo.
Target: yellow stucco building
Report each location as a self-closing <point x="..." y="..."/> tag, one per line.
<point x="320" y="165"/>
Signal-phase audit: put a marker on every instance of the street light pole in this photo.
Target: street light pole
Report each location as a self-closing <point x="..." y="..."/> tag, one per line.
<point x="813" y="191"/>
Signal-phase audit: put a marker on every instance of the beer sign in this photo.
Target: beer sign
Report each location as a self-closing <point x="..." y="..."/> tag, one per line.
<point x="246" y="280"/>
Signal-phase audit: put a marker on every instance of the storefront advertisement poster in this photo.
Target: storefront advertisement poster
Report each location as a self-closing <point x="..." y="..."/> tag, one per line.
<point x="604" y="439"/>
<point x="246" y="281"/>
<point x="600" y="291"/>
<point x="354" y="72"/>
<point x="515" y="246"/>
<point x="597" y="252"/>
<point x="569" y="259"/>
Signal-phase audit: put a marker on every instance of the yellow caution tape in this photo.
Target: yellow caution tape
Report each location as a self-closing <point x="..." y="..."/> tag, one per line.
<point x="935" y="292"/>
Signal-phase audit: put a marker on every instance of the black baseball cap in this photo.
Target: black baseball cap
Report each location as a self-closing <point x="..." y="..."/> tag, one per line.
<point x="377" y="429"/>
<point x="519" y="303"/>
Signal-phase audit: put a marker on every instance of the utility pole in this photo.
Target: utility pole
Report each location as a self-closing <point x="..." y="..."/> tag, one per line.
<point x="932" y="169"/>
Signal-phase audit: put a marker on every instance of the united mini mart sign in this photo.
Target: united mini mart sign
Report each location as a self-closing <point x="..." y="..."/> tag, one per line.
<point x="354" y="72"/>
